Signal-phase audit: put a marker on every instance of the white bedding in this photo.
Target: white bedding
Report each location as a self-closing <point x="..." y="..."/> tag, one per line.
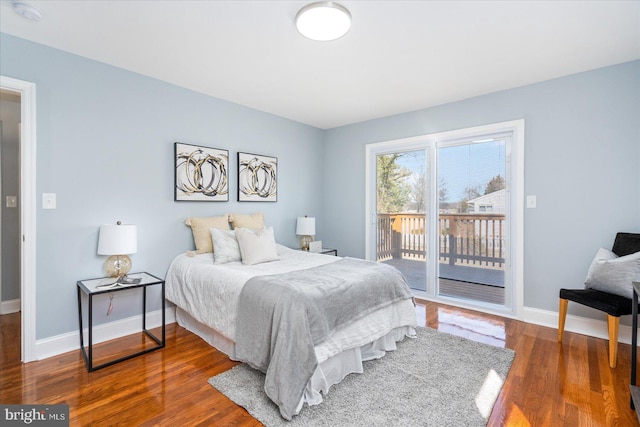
<point x="209" y="294"/>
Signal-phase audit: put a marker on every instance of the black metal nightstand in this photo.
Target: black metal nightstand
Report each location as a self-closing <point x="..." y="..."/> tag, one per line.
<point x="93" y="287"/>
<point x="329" y="251"/>
<point x="323" y="251"/>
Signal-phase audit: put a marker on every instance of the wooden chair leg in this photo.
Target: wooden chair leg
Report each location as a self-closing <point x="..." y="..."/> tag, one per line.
<point x="562" y="316"/>
<point x="614" y="325"/>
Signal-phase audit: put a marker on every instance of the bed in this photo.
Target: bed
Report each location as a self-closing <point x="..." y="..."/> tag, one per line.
<point x="214" y="301"/>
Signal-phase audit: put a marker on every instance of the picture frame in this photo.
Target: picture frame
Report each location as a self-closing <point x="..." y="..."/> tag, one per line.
<point x="257" y="178"/>
<point x="201" y="173"/>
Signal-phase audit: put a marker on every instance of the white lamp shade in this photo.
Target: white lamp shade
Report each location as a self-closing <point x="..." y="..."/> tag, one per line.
<point x="118" y="239"/>
<point x="306" y="226"/>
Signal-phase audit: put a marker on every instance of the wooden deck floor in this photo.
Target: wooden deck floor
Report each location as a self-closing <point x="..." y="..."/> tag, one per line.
<point x="459" y="282"/>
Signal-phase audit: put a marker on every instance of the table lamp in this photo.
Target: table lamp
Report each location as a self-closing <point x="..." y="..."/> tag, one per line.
<point x="306" y="229"/>
<point x="117" y="240"/>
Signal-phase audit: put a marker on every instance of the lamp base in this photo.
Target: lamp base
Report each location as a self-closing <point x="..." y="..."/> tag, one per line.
<point x="117" y="265"/>
<point x="304" y="242"/>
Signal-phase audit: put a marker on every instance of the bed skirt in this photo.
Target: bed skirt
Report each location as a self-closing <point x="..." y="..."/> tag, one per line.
<point x="332" y="368"/>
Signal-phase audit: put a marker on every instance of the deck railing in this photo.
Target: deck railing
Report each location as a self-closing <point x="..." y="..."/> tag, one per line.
<point x="464" y="239"/>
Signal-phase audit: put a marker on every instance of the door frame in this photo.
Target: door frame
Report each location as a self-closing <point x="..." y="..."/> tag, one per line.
<point x="27" y="91"/>
<point x="1" y="125"/>
<point x="514" y="308"/>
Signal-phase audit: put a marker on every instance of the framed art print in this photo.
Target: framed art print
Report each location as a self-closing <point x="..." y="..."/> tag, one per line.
<point x="257" y="178"/>
<point x="201" y="173"/>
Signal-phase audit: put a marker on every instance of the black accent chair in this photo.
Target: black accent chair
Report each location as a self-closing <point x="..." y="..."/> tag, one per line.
<point x="614" y="305"/>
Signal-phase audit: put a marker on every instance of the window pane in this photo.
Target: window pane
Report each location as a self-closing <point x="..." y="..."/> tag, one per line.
<point x="471" y="218"/>
<point x="401" y="204"/>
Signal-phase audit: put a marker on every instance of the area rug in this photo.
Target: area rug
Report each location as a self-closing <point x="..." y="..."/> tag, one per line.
<point x="437" y="379"/>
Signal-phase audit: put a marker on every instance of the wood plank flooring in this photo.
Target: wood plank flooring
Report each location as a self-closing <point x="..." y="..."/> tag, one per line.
<point x="550" y="384"/>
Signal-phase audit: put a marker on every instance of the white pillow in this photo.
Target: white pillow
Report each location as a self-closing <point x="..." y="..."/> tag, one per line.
<point x="257" y="246"/>
<point x="613" y="274"/>
<point x="225" y="246"/>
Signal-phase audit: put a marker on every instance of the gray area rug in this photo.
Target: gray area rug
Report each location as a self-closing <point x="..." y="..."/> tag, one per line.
<point x="436" y="379"/>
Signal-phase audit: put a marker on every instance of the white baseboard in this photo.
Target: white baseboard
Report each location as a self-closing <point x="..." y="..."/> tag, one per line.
<point x="11" y="306"/>
<point x="70" y="341"/>
<point x="581" y="325"/>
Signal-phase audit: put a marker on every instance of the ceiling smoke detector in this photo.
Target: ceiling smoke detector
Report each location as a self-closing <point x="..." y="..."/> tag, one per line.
<point x="26" y="11"/>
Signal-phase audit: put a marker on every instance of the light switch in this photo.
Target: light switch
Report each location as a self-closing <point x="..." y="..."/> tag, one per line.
<point x="531" y="202"/>
<point x="12" y="201"/>
<point x="48" y="200"/>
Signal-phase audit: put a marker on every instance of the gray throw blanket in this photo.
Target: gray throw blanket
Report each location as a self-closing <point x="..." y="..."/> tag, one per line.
<point x="282" y="317"/>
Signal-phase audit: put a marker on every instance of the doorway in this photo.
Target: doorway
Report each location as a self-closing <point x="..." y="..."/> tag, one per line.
<point x="446" y="210"/>
<point x="10" y="107"/>
<point x="25" y="205"/>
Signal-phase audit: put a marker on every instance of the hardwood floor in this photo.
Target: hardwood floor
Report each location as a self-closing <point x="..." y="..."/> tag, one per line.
<point x="549" y="384"/>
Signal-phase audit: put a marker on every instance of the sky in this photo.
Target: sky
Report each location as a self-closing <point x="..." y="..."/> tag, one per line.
<point x="462" y="166"/>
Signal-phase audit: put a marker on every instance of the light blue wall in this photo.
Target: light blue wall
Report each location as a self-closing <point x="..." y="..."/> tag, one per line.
<point x="105" y="147"/>
<point x="582" y="151"/>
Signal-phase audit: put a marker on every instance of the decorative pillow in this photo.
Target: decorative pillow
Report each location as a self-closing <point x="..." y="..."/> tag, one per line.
<point x="257" y="246"/>
<point x="201" y="234"/>
<point x="225" y="246"/>
<point x="254" y="221"/>
<point x="613" y="274"/>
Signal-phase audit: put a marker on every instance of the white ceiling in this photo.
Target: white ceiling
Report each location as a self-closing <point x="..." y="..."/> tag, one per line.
<point x="399" y="55"/>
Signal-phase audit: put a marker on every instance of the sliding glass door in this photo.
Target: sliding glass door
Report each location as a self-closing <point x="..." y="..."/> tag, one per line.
<point x="440" y="209"/>
<point x="472" y="213"/>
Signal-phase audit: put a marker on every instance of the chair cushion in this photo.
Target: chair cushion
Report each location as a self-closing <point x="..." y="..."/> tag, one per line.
<point x="614" y="305"/>
<point x="611" y="273"/>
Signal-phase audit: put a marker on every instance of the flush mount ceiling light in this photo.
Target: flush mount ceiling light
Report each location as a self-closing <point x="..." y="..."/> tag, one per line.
<point x="323" y="21"/>
<point x="26" y="11"/>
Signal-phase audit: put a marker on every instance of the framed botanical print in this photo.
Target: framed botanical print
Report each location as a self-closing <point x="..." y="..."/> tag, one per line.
<point x="257" y="178"/>
<point x="201" y="173"/>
